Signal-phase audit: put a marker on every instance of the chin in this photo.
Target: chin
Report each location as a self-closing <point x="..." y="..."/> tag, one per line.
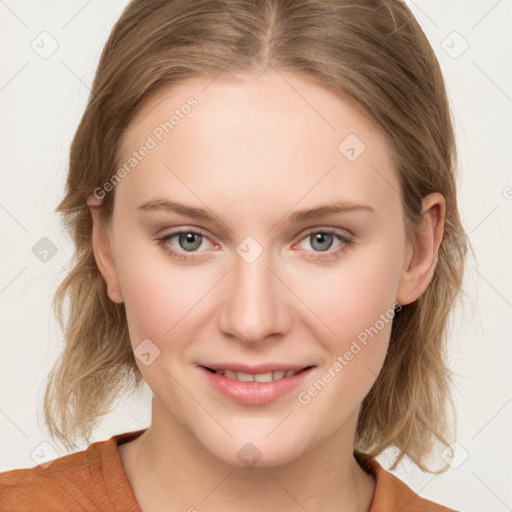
<point x="264" y="453"/>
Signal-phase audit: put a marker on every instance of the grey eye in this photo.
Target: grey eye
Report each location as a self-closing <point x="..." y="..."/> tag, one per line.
<point x="321" y="241"/>
<point x="187" y="242"/>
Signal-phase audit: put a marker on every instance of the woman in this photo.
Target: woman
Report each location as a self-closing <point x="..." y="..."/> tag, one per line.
<point x="263" y="202"/>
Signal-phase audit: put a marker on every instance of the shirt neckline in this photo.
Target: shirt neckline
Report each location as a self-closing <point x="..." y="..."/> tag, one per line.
<point x="119" y="488"/>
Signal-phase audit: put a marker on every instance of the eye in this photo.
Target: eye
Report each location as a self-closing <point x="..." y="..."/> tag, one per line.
<point x="322" y="241"/>
<point x="187" y="241"/>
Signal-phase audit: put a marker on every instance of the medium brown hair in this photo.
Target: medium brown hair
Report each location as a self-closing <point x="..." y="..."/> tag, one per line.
<point x="374" y="54"/>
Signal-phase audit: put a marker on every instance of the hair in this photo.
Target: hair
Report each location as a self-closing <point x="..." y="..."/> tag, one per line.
<point x="372" y="53"/>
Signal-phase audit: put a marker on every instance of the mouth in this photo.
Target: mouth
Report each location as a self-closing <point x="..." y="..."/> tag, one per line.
<point x="255" y="385"/>
<point x="266" y="376"/>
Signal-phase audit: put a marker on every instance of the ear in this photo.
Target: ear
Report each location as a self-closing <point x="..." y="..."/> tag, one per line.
<point x="102" y="248"/>
<point x="421" y="258"/>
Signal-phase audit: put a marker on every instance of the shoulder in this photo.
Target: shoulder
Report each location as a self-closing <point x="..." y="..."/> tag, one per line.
<point x="78" y="481"/>
<point x="392" y="494"/>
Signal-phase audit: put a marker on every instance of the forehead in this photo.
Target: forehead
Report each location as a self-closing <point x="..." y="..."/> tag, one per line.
<point x="268" y="100"/>
<point x="258" y="132"/>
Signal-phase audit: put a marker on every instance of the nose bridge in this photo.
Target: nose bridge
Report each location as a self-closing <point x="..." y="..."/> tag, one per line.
<point x="254" y="305"/>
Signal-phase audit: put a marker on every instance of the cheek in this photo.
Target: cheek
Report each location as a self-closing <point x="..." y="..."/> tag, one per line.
<point x="159" y="297"/>
<point x="355" y="303"/>
<point x="360" y="316"/>
<point x="352" y="296"/>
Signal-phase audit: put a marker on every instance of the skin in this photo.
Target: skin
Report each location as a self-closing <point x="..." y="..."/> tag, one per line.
<point x="251" y="152"/>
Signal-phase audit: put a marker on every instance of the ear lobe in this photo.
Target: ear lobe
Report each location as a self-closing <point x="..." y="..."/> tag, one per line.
<point x="103" y="252"/>
<point x="421" y="261"/>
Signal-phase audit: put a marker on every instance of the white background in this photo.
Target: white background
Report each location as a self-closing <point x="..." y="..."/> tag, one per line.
<point x="41" y="103"/>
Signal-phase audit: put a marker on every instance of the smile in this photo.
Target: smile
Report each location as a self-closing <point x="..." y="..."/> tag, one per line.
<point x="259" y="387"/>
<point x="256" y="377"/>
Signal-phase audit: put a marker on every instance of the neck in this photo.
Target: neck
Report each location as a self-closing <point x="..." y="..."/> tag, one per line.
<point x="170" y="470"/>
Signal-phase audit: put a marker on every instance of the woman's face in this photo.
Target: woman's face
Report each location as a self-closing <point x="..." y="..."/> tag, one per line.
<point x="255" y="283"/>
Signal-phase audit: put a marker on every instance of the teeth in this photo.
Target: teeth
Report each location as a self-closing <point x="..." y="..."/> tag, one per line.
<point x="244" y="377"/>
<point x="259" y="377"/>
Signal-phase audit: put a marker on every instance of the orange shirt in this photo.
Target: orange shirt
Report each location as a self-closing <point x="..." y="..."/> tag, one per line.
<point x="94" y="480"/>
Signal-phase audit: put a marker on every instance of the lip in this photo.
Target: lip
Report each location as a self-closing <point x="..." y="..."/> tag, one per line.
<point x="258" y="368"/>
<point x="255" y="393"/>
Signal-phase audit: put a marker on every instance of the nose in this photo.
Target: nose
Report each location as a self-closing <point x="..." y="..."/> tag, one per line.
<point x="254" y="302"/>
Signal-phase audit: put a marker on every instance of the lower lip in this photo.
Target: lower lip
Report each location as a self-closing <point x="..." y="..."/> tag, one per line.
<point x="255" y="393"/>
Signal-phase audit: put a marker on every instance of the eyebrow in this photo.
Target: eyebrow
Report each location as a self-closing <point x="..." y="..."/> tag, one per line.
<point x="302" y="215"/>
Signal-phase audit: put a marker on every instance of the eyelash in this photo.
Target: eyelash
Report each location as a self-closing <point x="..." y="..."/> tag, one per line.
<point x="322" y="255"/>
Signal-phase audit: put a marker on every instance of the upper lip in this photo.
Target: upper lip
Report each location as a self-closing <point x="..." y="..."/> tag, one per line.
<point x="258" y="368"/>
